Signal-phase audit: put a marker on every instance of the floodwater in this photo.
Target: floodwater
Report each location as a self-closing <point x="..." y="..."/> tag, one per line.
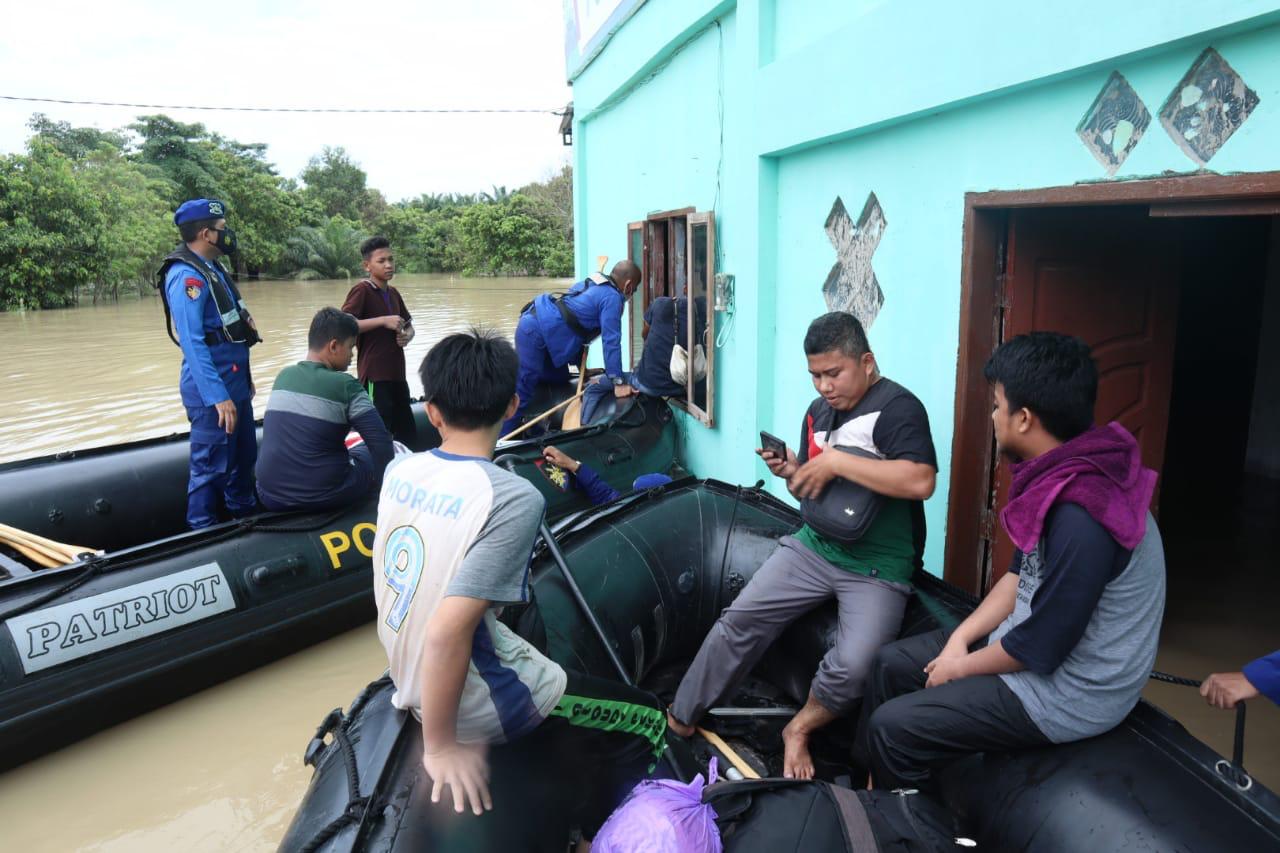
<point x="100" y="374"/>
<point x="220" y="770"/>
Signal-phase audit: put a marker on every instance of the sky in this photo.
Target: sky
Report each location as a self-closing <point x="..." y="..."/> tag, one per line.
<point x="427" y="54"/>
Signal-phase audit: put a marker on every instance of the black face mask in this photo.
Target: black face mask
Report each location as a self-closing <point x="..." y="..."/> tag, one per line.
<point x="226" y="242"/>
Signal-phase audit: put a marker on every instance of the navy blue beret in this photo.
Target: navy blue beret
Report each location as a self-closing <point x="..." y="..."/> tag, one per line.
<point x="199" y="208"/>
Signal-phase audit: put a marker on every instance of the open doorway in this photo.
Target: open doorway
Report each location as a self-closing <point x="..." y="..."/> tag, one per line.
<point x="1220" y="499"/>
<point x="1181" y="303"/>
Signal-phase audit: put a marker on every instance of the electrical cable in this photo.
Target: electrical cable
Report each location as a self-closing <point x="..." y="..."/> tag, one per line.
<point x="424" y="110"/>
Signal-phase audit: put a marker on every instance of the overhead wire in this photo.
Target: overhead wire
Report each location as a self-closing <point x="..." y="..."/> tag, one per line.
<point x="353" y="110"/>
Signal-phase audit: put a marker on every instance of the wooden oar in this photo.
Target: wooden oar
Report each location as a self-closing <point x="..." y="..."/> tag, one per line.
<point x="573" y="414"/>
<point x="17" y="533"/>
<point x="727" y="751"/>
<point x="30" y="553"/>
<point x="26" y="542"/>
<point x="542" y="417"/>
<point x="60" y="548"/>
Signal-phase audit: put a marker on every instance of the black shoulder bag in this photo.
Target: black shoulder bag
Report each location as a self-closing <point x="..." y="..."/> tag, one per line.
<point x="845" y="510"/>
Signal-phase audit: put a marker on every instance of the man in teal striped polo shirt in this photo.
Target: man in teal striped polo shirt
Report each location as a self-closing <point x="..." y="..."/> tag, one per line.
<point x="304" y="463"/>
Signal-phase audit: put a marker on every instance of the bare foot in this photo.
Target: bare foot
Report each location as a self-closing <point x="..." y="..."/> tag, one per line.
<point x="796" y="763"/>
<point x="677" y="726"/>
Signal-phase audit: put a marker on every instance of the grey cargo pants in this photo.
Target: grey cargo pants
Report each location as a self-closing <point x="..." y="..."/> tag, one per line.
<point x="791" y="582"/>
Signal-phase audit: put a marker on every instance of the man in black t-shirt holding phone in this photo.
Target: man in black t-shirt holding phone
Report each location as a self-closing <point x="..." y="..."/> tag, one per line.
<point x="870" y="578"/>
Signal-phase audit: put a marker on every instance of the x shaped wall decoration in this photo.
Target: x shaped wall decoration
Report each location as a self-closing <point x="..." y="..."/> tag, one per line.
<point x="851" y="285"/>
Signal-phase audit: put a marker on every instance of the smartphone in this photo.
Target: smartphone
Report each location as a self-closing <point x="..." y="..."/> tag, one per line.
<point x="773" y="444"/>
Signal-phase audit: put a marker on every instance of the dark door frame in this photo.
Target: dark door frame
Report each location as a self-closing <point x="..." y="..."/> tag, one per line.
<point x="981" y="303"/>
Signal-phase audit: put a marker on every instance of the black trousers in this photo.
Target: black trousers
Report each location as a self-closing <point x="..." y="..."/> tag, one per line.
<point x="391" y="399"/>
<point x="907" y="731"/>
<point x="572" y="771"/>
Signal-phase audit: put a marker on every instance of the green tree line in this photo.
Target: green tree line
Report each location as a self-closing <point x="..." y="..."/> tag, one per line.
<point x="87" y="213"/>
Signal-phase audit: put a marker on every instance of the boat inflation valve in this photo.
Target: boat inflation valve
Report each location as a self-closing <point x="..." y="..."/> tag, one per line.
<point x="686" y="582"/>
<point x="102" y="506"/>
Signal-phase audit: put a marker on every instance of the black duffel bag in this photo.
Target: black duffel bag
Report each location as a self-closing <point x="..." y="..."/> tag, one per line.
<point x="783" y="815"/>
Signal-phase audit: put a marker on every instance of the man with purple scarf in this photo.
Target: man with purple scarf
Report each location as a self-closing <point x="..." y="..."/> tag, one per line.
<point x="1062" y="645"/>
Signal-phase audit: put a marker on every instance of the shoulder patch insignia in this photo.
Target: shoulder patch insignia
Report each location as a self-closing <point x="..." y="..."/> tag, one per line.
<point x="558" y="477"/>
<point x="193" y="285"/>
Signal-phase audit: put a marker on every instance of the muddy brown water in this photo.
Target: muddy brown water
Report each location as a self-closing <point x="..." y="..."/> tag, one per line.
<point x="100" y="374"/>
<point x="222" y="770"/>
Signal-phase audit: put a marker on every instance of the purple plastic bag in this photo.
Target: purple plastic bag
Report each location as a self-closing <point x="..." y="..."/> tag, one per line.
<point x="662" y="816"/>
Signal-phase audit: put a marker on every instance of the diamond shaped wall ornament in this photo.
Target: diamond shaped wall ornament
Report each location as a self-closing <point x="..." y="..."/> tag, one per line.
<point x="1207" y="106"/>
<point x="851" y="285"/>
<point x="1114" y="123"/>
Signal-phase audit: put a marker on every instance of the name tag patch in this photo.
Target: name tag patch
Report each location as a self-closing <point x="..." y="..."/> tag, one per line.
<point x="56" y="635"/>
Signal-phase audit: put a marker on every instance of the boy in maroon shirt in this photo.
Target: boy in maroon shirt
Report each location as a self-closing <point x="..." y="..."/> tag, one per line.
<point x="386" y="327"/>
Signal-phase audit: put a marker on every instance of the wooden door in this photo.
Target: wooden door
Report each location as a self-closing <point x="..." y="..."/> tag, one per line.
<point x="1108" y="275"/>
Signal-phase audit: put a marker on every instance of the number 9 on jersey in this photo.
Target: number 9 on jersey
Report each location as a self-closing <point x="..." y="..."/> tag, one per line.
<point x="402" y="562"/>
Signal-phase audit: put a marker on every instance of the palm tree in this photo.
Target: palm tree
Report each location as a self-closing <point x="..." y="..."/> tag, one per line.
<point x="430" y="201"/>
<point x="499" y="194"/>
<point x="329" y="251"/>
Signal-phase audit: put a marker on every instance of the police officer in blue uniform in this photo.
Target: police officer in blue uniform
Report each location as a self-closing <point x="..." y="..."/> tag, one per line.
<point x="554" y="329"/>
<point x="215" y="331"/>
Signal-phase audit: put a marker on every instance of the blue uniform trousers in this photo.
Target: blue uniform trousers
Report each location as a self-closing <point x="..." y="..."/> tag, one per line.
<point x="221" y="465"/>
<point x="536" y="367"/>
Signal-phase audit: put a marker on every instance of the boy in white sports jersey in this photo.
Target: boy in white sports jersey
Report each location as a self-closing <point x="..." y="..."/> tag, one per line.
<point x="455" y="537"/>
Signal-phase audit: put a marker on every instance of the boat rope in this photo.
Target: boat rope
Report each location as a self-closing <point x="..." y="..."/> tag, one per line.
<point x="92" y="567"/>
<point x="1174" y="679"/>
<point x="355" y="810"/>
<point x="1233" y="771"/>
<point x="96" y="564"/>
<point x="336" y="723"/>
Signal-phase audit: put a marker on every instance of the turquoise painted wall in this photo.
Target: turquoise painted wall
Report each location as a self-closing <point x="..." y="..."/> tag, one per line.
<point x="817" y="106"/>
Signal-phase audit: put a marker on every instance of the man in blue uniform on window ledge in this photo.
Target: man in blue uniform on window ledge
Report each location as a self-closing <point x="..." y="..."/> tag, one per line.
<point x="214" y="330"/>
<point x="553" y="330"/>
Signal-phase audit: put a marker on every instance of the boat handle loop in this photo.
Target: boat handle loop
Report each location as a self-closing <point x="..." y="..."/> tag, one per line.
<point x="1233" y="771"/>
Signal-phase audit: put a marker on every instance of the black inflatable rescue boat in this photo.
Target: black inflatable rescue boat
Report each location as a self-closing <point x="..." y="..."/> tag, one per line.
<point x="655" y="570"/>
<point x="163" y="611"/>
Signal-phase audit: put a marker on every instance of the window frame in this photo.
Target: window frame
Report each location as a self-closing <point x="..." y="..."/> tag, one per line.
<point x="707" y="218"/>
<point x="666" y="264"/>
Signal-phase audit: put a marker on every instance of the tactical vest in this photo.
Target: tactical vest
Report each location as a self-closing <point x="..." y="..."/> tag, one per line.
<point x="237" y="326"/>
<point x="559" y="300"/>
